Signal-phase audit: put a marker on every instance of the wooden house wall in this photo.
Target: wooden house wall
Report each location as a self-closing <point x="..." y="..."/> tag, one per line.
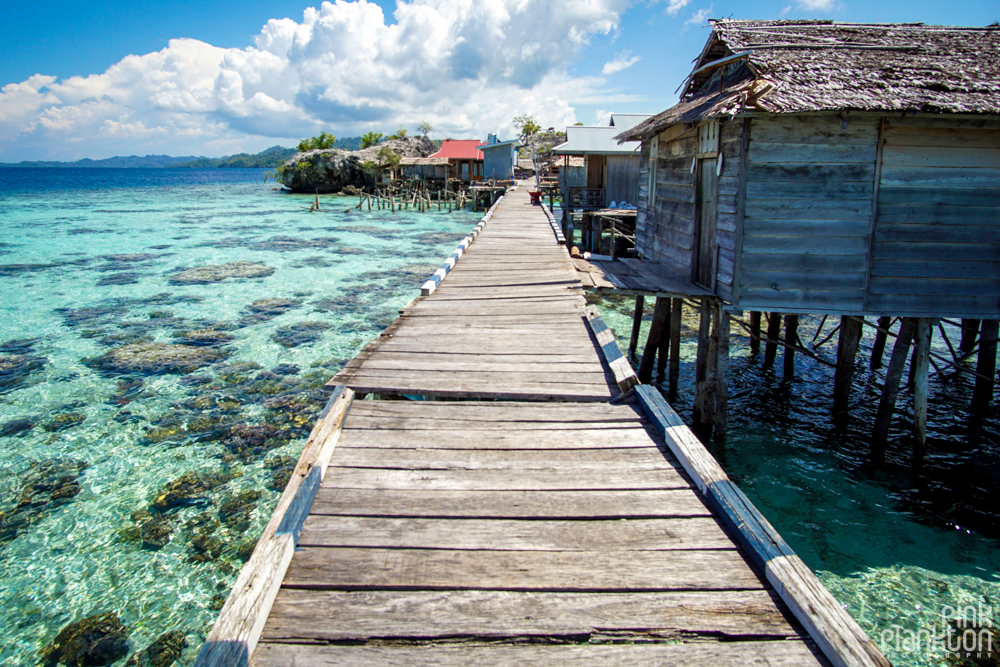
<point x="936" y="249"/>
<point x="808" y="214"/>
<point x="665" y="228"/>
<point x="623" y="179"/>
<point x="668" y="226"/>
<point x="499" y="162"/>
<point x="727" y="201"/>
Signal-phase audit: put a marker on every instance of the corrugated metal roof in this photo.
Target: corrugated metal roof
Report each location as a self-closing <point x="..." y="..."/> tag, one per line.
<point x="586" y="140"/>
<point x="460" y="149"/>
<point x="516" y="142"/>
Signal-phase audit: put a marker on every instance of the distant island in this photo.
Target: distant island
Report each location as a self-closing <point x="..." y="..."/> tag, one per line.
<point x="268" y="158"/>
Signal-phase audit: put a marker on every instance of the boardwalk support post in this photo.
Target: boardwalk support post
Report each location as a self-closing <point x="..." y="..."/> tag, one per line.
<point x="893" y="375"/>
<point x="771" y="346"/>
<point x="847" y="349"/>
<point x="921" y="369"/>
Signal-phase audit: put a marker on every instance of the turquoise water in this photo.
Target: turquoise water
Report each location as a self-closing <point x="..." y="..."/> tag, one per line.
<point x="897" y="545"/>
<point x="91" y="266"/>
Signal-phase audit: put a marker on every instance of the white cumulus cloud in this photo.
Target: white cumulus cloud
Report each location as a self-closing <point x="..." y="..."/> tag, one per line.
<point x="700" y="16"/>
<point x="816" y="5"/>
<point x="623" y="60"/>
<point x="674" y="6"/>
<point x="465" y="66"/>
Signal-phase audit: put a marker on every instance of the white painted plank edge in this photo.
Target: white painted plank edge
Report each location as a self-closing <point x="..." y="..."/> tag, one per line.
<point x="838" y="635"/>
<point x="624" y="373"/>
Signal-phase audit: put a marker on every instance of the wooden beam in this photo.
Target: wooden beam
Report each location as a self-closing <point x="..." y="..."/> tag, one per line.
<point x="660" y="313"/>
<point x="663" y="352"/>
<point x="887" y="405"/>
<point x="791" y="335"/>
<point x="633" y="341"/>
<point x="970" y="332"/>
<point x="701" y="361"/>
<point x="755" y="332"/>
<point x="624" y="375"/>
<point x="847" y="349"/>
<point x="878" y="348"/>
<point x="675" y="346"/>
<point x="722" y="379"/>
<point x="921" y="368"/>
<point x="986" y="366"/>
<point x="773" y="332"/>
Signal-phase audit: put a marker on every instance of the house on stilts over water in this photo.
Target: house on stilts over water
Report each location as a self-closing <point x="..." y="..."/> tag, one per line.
<point x="836" y="169"/>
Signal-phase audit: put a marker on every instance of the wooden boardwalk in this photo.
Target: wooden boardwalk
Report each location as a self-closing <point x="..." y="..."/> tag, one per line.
<point x="506" y="323"/>
<point x="565" y="529"/>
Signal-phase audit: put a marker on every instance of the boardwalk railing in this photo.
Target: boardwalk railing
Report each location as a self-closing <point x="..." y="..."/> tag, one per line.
<point x="237" y="630"/>
<point x="432" y="283"/>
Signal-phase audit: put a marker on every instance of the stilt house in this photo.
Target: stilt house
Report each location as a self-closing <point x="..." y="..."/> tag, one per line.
<point x="610" y="170"/>
<point x="465" y="161"/>
<point x="499" y="157"/>
<point x="821" y="167"/>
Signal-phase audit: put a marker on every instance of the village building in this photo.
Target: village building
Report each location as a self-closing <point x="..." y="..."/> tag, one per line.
<point x="836" y="169"/>
<point x="424" y="168"/>
<point x="465" y="160"/>
<point x="499" y="158"/>
<point x="608" y="171"/>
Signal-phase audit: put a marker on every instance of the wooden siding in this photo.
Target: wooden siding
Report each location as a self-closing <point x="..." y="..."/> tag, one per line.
<point x="668" y="232"/>
<point x="936" y="247"/>
<point x="623" y="179"/>
<point x="808" y="212"/>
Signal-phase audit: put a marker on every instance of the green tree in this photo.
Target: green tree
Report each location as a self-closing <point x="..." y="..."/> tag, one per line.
<point x="578" y="123"/>
<point x="370" y="139"/>
<point x="424" y="128"/>
<point x="400" y="134"/>
<point x="526" y="126"/>
<point x="324" y="140"/>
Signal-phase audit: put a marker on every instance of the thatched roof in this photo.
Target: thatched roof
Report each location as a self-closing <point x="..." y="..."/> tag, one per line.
<point x="807" y="66"/>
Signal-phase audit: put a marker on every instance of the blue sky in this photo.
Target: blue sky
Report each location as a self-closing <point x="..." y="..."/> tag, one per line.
<point x="211" y="78"/>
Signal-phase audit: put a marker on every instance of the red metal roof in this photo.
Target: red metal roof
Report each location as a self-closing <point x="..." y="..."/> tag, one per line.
<point x="460" y="149"/>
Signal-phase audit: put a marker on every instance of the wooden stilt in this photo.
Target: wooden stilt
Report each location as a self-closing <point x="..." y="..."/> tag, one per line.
<point x="970" y="331"/>
<point x="701" y="361"/>
<point x="771" y="346"/>
<point x="675" y="347"/>
<point x="663" y="352"/>
<point x="921" y="369"/>
<point x="722" y="379"/>
<point x="986" y="366"/>
<point x="887" y="405"/>
<point x="755" y="332"/>
<point x="847" y="349"/>
<point x="880" y="337"/>
<point x="660" y="312"/>
<point x="633" y="341"/>
<point x="791" y="340"/>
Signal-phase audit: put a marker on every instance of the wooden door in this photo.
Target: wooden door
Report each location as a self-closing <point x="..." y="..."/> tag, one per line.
<point x="704" y="250"/>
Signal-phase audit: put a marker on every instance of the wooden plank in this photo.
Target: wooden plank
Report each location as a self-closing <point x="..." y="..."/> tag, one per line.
<point x="806" y="173"/>
<point x="939" y="177"/>
<point x="814" y="209"/>
<point x="580" y="438"/>
<point x="514" y="535"/>
<point x="800" y="245"/>
<point x="783" y="653"/>
<point x="624" y="374"/>
<point x="602" y="504"/>
<point x="503" y="479"/>
<point x="348" y="568"/>
<point x="785" y="153"/>
<point x="822" y="129"/>
<point x="938" y="156"/>
<point x="496" y="614"/>
<point x="567" y="461"/>
<point x="521" y="412"/>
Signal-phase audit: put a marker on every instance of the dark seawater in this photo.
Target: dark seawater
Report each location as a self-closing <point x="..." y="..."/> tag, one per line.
<point x="896" y="545"/>
<point x="151" y="409"/>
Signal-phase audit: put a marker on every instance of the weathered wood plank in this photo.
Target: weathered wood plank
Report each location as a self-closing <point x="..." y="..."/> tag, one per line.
<point x="347" y="568"/>
<point x="782" y="653"/>
<point x="583" y="437"/>
<point x="785" y="153"/>
<point x="606" y="504"/>
<point x="939" y="156"/>
<point x="494" y="614"/>
<point x="515" y="535"/>
<point x="585" y="479"/>
<point x="567" y="461"/>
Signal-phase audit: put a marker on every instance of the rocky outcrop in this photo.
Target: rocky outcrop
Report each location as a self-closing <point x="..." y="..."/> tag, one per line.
<point x="333" y="169"/>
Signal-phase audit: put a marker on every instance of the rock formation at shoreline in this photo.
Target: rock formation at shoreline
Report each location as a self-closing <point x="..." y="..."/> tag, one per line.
<point x="333" y="169"/>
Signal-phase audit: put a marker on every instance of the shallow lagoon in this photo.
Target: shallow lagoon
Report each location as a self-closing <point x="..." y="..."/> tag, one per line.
<point x="92" y="262"/>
